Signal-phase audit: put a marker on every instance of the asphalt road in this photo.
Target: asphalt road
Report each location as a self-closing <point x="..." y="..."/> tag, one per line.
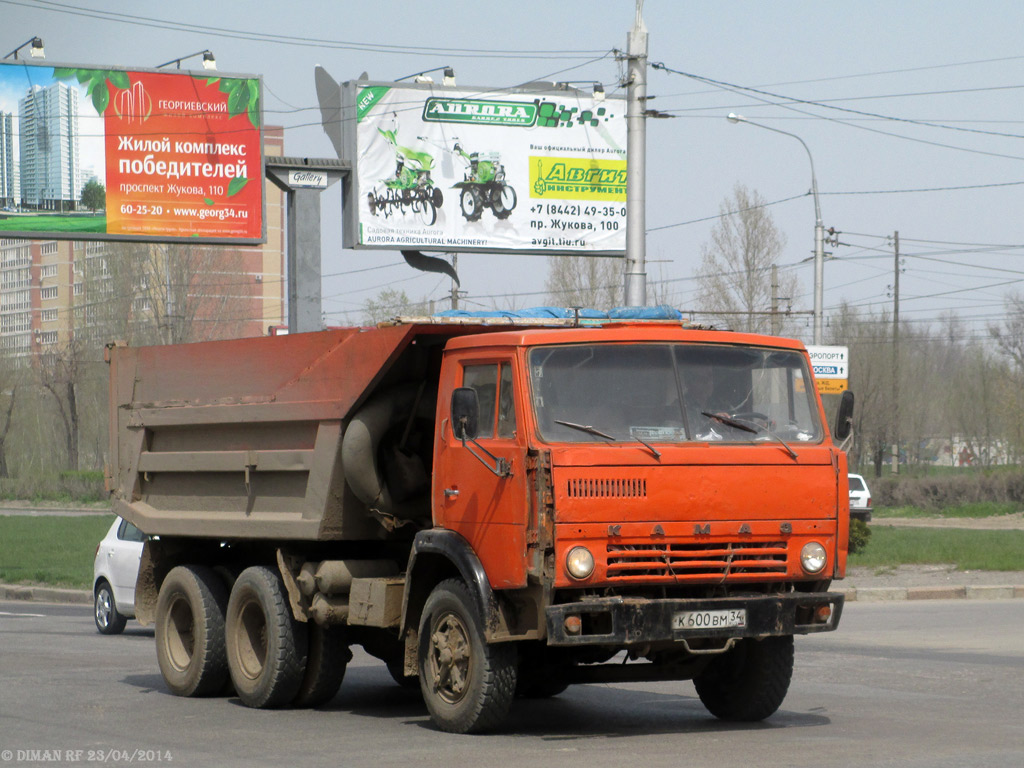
<point x="933" y="684"/>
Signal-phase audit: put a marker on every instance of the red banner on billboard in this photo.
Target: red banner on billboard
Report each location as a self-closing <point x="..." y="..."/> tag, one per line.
<point x="181" y="156"/>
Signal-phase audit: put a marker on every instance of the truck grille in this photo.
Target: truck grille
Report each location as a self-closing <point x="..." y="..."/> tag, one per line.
<point x="606" y="488"/>
<point x="728" y="561"/>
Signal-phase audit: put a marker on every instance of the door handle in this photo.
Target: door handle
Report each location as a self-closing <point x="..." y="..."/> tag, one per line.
<point x="450" y="493"/>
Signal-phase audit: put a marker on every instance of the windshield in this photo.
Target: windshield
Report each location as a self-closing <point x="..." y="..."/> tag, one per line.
<point x="672" y="393"/>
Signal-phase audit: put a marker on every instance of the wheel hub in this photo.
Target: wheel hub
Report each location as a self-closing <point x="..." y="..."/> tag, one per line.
<point x="450" y="658"/>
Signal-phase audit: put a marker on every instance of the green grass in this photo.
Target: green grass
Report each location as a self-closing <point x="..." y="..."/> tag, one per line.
<point x="978" y="509"/>
<point x="54" y="223"/>
<point x="968" y="550"/>
<point x="58" y="551"/>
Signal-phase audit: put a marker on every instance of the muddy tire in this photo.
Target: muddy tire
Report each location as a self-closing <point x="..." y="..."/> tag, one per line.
<point x="750" y="681"/>
<point x="190" y="647"/>
<point x="109" y="620"/>
<point x="266" y="647"/>
<point x="396" y="668"/>
<point x="326" y="659"/>
<point x="467" y="684"/>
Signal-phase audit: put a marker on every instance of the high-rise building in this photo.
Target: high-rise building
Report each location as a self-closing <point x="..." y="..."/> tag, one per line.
<point x="10" y="188"/>
<point x="49" y="148"/>
<point x="52" y="291"/>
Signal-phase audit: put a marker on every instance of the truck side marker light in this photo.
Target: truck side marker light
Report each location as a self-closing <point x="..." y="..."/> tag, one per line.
<point x="573" y="625"/>
<point x="823" y="614"/>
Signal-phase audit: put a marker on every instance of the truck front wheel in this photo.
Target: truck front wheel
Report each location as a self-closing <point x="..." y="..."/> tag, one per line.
<point x="190" y="631"/>
<point x="467" y="684"/>
<point x="266" y="646"/>
<point x="749" y="682"/>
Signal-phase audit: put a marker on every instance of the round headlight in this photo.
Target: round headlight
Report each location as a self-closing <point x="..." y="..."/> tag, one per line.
<point x="579" y="562"/>
<point x="813" y="557"/>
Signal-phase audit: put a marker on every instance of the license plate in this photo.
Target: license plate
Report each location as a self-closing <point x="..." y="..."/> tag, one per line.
<point x="736" y="617"/>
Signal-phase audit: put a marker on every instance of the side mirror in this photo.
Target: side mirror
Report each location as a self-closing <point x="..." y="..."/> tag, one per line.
<point x="465" y="413"/>
<point x="844" y="416"/>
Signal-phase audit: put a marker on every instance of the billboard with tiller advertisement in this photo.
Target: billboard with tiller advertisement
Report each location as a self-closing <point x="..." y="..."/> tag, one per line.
<point x="136" y="154"/>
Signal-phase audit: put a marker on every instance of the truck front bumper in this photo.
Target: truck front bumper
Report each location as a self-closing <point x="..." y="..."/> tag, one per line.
<point x="631" y="621"/>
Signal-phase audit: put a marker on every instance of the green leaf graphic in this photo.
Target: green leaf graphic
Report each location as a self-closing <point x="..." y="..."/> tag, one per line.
<point x="84" y="74"/>
<point x="212" y="80"/>
<point x="238" y="101"/>
<point x="254" y="116"/>
<point x="237" y="185"/>
<point x="101" y="98"/>
<point x="208" y="201"/>
<point x="63" y="73"/>
<point x="227" y="86"/>
<point x="119" y="79"/>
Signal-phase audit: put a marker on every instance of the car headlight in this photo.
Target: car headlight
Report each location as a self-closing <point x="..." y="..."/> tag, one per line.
<point x="579" y="562"/>
<point x="813" y="557"/>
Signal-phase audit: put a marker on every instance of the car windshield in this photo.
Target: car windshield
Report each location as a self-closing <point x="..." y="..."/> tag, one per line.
<point x="672" y="393"/>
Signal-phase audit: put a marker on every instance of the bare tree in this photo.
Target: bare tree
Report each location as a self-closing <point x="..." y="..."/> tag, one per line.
<point x="10" y="380"/>
<point x="594" y="282"/>
<point x="391" y="303"/>
<point x="735" y="273"/>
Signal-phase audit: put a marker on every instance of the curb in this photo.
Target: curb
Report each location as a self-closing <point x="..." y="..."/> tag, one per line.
<point x="45" y="594"/>
<point x="888" y="594"/>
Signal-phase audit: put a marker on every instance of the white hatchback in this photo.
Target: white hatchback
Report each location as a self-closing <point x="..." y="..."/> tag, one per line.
<point x="860" y="499"/>
<point x="114" y="573"/>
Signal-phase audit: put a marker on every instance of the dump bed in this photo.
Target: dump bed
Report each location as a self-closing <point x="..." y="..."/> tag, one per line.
<point x="241" y="438"/>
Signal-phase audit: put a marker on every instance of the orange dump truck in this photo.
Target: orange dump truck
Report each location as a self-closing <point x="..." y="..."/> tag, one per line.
<point x="494" y="508"/>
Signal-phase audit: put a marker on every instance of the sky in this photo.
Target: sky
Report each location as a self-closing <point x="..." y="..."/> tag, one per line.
<point x="912" y="112"/>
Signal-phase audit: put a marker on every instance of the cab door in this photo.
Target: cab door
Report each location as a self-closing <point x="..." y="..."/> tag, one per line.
<point x="472" y="496"/>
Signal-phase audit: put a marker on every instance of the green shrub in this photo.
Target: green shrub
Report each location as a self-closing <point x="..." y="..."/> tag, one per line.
<point x="860" y="534"/>
<point x="937" y="492"/>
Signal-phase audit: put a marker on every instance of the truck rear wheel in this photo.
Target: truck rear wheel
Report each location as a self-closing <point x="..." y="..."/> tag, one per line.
<point x="749" y="682"/>
<point x="266" y="647"/>
<point x="467" y="684"/>
<point x="326" y="660"/>
<point x="190" y="631"/>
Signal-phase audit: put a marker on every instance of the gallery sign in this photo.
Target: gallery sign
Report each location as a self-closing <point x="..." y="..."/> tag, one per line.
<point x="150" y="155"/>
<point x="476" y="169"/>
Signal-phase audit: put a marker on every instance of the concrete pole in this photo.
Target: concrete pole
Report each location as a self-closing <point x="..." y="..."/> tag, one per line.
<point x="636" y="149"/>
<point x="304" y="313"/>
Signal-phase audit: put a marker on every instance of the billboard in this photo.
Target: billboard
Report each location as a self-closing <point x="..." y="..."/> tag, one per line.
<point x="150" y="155"/>
<point x="471" y="169"/>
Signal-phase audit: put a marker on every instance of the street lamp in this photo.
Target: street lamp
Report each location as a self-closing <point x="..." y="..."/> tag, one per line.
<point x="819" y="229"/>
<point x="209" y="62"/>
<point x="36" y="51"/>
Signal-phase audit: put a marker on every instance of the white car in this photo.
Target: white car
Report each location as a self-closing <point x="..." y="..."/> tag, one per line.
<point x="114" y="573"/>
<point x="860" y="499"/>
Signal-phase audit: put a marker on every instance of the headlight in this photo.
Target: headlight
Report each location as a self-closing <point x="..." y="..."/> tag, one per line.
<point x="579" y="562"/>
<point x="813" y="557"/>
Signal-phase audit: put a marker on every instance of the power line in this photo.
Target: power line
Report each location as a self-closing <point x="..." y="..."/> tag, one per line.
<point x="300" y="41"/>
<point x="732" y="87"/>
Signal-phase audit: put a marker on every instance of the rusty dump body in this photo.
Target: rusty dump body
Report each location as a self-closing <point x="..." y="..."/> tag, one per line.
<point x="635" y="486"/>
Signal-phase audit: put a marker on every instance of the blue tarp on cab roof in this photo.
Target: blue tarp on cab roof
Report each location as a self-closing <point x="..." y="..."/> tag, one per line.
<point x="661" y="312"/>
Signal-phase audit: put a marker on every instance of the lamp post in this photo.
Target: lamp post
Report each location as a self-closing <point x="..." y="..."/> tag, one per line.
<point x="209" y="62"/>
<point x="819" y="229"/>
<point x="36" y="51"/>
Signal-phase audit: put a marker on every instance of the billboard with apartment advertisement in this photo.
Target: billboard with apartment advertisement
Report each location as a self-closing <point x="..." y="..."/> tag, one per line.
<point x="145" y="155"/>
<point x="475" y="169"/>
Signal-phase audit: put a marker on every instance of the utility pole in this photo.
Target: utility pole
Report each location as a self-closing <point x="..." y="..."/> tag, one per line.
<point x="455" y="286"/>
<point x="775" y="300"/>
<point x="896" y="357"/>
<point x="636" y="151"/>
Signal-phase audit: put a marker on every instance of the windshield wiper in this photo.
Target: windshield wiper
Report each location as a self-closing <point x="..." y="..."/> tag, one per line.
<point x="595" y="431"/>
<point x="743" y="425"/>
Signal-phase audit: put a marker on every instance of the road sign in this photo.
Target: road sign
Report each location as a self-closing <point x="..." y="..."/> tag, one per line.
<point x="830" y="363"/>
<point x="832" y="386"/>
